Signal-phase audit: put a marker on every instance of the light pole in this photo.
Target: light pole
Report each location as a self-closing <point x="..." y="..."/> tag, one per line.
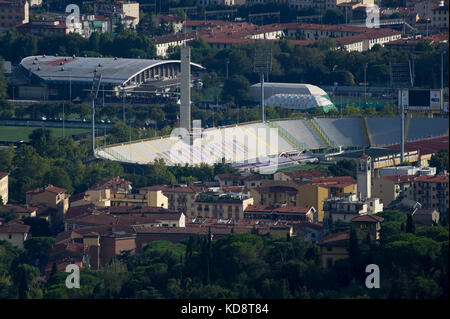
<point x="365" y="84"/>
<point x="227" y="61"/>
<point x="123" y="104"/>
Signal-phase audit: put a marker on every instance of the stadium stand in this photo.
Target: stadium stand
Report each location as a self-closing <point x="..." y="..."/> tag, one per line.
<point x="384" y="130"/>
<point x="300" y="130"/>
<point x="242" y="144"/>
<point x="344" y="131"/>
<point x="421" y="128"/>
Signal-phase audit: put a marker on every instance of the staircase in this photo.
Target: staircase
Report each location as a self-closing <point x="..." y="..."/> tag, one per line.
<point x="287" y="136"/>
<point x="113" y="154"/>
<point x="366" y="133"/>
<point x="321" y="133"/>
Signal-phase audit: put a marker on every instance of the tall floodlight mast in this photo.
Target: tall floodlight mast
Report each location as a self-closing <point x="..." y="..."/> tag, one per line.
<point x="262" y="64"/>
<point x="93" y="95"/>
<point x="185" y="88"/>
<point x="402" y="78"/>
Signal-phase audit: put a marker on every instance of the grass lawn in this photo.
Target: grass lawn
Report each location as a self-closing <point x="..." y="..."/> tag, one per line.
<point x="21" y="133"/>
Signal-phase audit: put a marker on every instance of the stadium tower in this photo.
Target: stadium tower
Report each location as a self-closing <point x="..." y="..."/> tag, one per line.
<point x="185" y="88"/>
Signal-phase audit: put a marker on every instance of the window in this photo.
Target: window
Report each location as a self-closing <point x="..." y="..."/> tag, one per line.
<point x="9" y="236"/>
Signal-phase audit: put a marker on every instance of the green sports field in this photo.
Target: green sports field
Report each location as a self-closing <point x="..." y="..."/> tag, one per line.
<point x="21" y="133"/>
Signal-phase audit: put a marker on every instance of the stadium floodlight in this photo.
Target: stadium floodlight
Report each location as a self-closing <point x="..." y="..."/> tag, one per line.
<point x="262" y="64"/>
<point x="402" y="77"/>
<point x="93" y="95"/>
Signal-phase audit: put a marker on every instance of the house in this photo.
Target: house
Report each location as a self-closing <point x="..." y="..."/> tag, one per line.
<point x="309" y="231"/>
<point x="22" y="211"/>
<point x="334" y="247"/>
<point x="297" y="175"/>
<point x="52" y="197"/>
<point x="175" y="21"/>
<point x="115" y="185"/>
<point x="426" y="217"/>
<point x="345" y="208"/>
<point x="369" y="223"/>
<point x="3" y="188"/>
<point x="15" y="232"/>
<point x="164" y="43"/>
<point x="92" y="247"/>
<point x="281" y="212"/>
<point x="230" y="179"/>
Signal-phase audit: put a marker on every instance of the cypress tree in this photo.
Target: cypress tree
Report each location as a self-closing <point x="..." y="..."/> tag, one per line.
<point x="410" y="225"/>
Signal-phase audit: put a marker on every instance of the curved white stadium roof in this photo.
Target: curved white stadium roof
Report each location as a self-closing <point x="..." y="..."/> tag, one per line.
<point x="272" y="88"/>
<point x="115" y="71"/>
<point x="298" y="101"/>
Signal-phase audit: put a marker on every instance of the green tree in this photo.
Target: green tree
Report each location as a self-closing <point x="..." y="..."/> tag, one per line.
<point x="236" y="90"/>
<point x="410" y="225"/>
<point x="24" y="278"/>
<point x="440" y="160"/>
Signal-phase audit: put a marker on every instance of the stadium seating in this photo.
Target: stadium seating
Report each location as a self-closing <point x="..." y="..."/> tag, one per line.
<point x="302" y="133"/>
<point x="242" y="142"/>
<point x="344" y="131"/>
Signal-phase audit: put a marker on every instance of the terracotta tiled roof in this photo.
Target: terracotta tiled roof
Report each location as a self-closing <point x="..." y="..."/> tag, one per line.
<point x="339" y="239"/>
<point x="283" y="209"/>
<point x="304" y="174"/>
<point x="432" y="179"/>
<point x="49" y="188"/>
<point x="174" y="189"/>
<point x="3" y="174"/>
<point x="368" y="219"/>
<point x="14" y="227"/>
<point x="111" y="183"/>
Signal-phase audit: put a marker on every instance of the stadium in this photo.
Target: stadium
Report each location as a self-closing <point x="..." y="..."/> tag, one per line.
<point x="61" y="77"/>
<point x="250" y="145"/>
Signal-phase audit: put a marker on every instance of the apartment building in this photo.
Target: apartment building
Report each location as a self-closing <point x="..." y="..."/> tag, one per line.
<point x="13" y="13"/>
<point x="216" y="205"/>
<point x="432" y="192"/>
<point x="179" y="197"/>
<point x="439" y="16"/>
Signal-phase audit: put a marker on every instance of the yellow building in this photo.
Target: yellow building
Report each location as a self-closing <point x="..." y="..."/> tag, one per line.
<point x="334" y="247"/>
<point x="180" y="198"/>
<point x="221" y="206"/>
<point x="153" y="198"/>
<point x="307" y="192"/>
<point x="322" y="188"/>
